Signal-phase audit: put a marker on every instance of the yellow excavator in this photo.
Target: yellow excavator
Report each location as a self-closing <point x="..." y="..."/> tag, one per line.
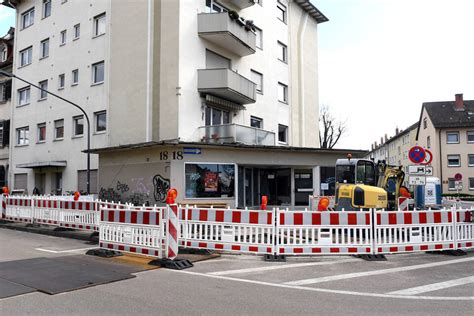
<point x="364" y="184"/>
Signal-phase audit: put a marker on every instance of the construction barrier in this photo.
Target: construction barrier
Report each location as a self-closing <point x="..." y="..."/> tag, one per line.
<point x="323" y="233"/>
<point x="134" y="230"/>
<point x="3" y="205"/>
<point x="47" y="210"/>
<point x="19" y="209"/>
<point x="246" y="231"/>
<point x="314" y="202"/>
<point x="464" y="228"/>
<point x="83" y="215"/>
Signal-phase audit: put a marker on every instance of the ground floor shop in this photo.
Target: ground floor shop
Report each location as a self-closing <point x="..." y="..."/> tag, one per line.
<point x="234" y="176"/>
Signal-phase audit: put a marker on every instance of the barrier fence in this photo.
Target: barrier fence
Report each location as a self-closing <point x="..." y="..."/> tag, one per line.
<point x="158" y="231"/>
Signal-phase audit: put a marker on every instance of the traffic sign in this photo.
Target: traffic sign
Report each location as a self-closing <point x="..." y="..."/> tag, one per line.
<point x="429" y="170"/>
<point x="416" y="170"/>
<point x="417" y="154"/>
<point x="428" y="157"/>
<point x="417" y="180"/>
<point x="458" y="177"/>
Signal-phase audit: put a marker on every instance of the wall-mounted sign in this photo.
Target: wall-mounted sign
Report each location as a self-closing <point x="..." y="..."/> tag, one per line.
<point x="417" y="180"/>
<point x="417" y="170"/>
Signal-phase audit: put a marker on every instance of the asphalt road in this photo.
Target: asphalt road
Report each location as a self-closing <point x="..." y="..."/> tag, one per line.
<point x="238" y="284"/>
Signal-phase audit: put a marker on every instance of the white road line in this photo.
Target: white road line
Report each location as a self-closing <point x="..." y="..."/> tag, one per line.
<point x="285" y="266"/>
<point x="65" y="251"/>
<point x="434" y="286"/>
<point x="376" y="272"/>
<point x="312" y="289"/>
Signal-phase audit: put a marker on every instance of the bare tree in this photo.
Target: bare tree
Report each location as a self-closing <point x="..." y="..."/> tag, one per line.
<point x="330" y="129"/>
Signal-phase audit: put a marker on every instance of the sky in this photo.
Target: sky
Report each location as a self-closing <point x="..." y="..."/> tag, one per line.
<point x="379" y="60"/>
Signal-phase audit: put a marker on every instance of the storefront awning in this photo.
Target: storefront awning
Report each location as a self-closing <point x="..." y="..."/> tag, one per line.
<point x="44" y="164"/>
<point x="223" y="104"/>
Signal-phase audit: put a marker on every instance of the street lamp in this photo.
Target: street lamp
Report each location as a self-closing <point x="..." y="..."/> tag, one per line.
<point x="7" y="74"/>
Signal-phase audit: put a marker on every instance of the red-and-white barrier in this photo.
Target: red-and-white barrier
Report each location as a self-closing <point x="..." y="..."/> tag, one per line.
<point x="314" y="202"/>
<point x="19" y="209"/>
<point x="81" y="215"/>
<point x="323" y="232"/>
<point x="225" y="229"/>
<point x="47" y="210"/>
<point x="464" y="228"/>
<point x="134" y="230"/>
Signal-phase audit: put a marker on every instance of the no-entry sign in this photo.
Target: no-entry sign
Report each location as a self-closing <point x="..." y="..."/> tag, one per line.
<point x="417" y="154"/>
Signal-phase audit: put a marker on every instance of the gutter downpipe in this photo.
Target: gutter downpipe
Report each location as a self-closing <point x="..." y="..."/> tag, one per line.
<point x="301" y="35"/>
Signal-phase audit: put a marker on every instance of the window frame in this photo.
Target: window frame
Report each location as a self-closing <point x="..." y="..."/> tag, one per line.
<point x="38" y="133"/>
<point x="28" y="50"/>
<point x="26" y="139"/>
<point x="208" y="115"/>
<point x="283" y="52"/>
<point x="453" y="181"/>
<point x="43" y="95"/>
<point x="75" y="77"/>
<point x="283" y="9"/>
<point x="45" y="5"/>
<point x="256" y="119"/>
<point x="96" y="122"/>
<point x="467" y="137"/>
<point x="56" y="128"/>
<point x="286" y="134"/>
<point x="252" y="72"/>
<point x="61" y="81"/>
<point x="95" y="24"/>
<point x="4" y="54"/>
<point x="469" y="156"/>
<point x="30" y="12"/>
<point x="77" y="31"/>
<point x="94" y="72"/>
<point x="259" y="35"/>
<point x="62" y="37"/>
<point x="28" y="99"/>
<point x="471" y="188"/>
<point x="43" y="44"/>
<point x="285" y="92"/>
<point x="453" y="155"/>
<point x="234" y="193"/>
<point x="452" y="133"/>
<point x="75" y="119"/>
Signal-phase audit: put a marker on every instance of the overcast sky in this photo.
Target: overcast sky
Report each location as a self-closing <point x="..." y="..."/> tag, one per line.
<point x="379" y="60"/>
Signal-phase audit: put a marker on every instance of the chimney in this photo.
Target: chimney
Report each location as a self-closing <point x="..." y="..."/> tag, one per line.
<point x="381" y="140"/>
<point x="386" y="138"/>
<point x="397" y="131"/>
<point x="459" y="103"/>
<point x="372" y="147"/>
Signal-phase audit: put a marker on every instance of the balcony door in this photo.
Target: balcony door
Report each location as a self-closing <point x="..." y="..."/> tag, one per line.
<point x="216" y="61"/>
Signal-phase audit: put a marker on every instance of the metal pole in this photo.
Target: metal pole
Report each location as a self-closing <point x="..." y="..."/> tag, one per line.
<point x="75" y="105"/>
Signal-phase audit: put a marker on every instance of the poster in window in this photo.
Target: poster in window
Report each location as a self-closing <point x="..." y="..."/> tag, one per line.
<point x="210" y="181"/>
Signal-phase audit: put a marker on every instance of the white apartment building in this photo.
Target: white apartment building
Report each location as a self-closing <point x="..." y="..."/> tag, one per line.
<point x="216" y="98"/>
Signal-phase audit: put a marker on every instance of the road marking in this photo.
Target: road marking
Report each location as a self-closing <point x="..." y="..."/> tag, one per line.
<point x="64" y="251"/>
<point x="376" y="272"/>
<point x="434" y="286"/>
<point x="313" y="289"/>
<point x="286" y="266"/>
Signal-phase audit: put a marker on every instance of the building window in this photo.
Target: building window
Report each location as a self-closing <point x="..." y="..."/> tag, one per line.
<point x="75" y="77"/>
<point x="216" y="117"/>
<point x="470" y="159"/>
<point x="209" y="180"/>
<point x="470" y="136"/>
<point x="99" y="24"/>
<point x="4" y="133"/>
<point x="59" y="129"/>
<point x="44" y="48"/>
<point x="471" y="183"/>
<point x="282" y="52"/>
<point x="428" y="142"/>
<point x="98" y="73"/>
<point x="282" y="133"/>
<point x="43" y="95"/>
<point x="215" y="7"/>
<point x="22" y="136"/>
<point x="425" y="123"/>
<point x="258" y="79"/>
<point x="452" y="137"/>
<point x="28" y="18"/>
<point x="46" y="8"/>
<point x="20" y="181"/>
<point x="78" y="125"/>
<point x="24" y="96"/>
<point x="282" y="92"/>
<point x="454" y="161"/>
<point x="41" y="130"/>
<point x="451" y="184"/>
<point x="281" y="11"/>
<point x="25" y="56"/>
<point x="100" y="121"/>
<point x="256" y="122"/>
<point x="61" y="81"/>
<point x="259" y="34"/>
<point x="4" y="55"/>
<point x="77" y="31"/>
<point x="62" y="37"/>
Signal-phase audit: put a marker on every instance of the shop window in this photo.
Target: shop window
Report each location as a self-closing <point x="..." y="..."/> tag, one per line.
<point x="210" y="180"/>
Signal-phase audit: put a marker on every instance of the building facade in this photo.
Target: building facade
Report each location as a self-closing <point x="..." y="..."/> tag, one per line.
<point x="446" y="128"/>
<point x="192" y="94"/>
<point x="6" y="61"/>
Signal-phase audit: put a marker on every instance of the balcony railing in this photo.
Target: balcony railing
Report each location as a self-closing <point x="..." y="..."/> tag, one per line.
<point x="235" y="133"/>
<point x="226" y="84"/>
<point x="227" y="33"/>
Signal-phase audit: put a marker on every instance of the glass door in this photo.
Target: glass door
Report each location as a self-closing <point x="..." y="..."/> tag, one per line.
<point x="303" y="186"/>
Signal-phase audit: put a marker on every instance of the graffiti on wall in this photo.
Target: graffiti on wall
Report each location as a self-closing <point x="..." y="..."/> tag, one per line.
<point x="122" y="187"/>
<point x="160" y="188"/>
<point x="109" y="194"/>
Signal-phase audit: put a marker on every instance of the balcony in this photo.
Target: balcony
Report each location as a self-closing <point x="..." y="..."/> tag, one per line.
<point x="235" y="133"/>
<point x="226" y="84"/>
<point x="242" y="4"/>
<point x="229" y="34"/>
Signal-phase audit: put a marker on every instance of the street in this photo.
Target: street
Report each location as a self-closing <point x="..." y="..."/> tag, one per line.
<point x="240" y="284"/>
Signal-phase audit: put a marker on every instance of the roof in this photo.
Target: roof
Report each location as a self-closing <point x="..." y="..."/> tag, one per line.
<point x="43" y="164"/>
<point x="312" y="10"/>
<point x="151" y="145"/>
<point x="443" y="115"/>
<point x="402" y="133"/>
